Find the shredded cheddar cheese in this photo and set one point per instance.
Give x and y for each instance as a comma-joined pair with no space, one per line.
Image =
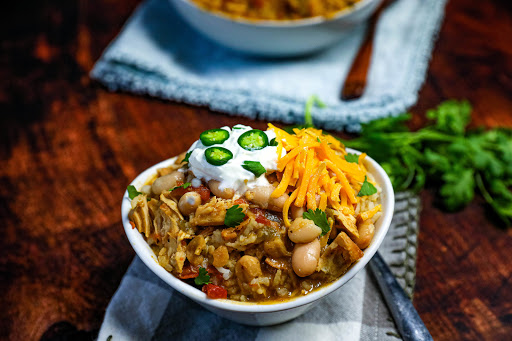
315,172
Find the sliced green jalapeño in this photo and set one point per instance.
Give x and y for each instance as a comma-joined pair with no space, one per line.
214,136
253,140
217,156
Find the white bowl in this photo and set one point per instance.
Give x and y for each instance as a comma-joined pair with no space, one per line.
283,38
253,313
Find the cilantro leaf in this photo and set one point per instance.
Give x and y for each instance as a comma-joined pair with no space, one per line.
234,216
273,142
132,192
187,156
185,185
312,101
458,189
319,218
354,158
451,116
367,188
202,278
254,167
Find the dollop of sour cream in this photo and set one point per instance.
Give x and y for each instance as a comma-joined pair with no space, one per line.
232,174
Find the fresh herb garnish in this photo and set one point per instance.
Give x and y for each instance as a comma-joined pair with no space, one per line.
185,185
202,278
234,216
308,116
459,161
354,158
132,192
367,188
185,159
254,167
319,218
273,142
109,338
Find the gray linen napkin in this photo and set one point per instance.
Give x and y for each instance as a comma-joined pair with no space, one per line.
158,54
146,308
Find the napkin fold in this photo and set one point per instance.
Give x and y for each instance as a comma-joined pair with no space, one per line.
146,308
158,54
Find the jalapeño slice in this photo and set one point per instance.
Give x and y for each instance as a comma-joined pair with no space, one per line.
253,140
217,156
214,136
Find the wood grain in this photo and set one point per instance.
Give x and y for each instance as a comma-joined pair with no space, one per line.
68,148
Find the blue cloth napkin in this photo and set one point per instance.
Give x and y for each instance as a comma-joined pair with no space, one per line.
158,54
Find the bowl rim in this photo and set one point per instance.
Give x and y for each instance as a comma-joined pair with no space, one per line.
311,21
148,257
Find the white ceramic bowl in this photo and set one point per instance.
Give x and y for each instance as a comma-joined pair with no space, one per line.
284,38
253,313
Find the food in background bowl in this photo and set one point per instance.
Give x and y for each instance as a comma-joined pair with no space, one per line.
275,38
276,9
259,216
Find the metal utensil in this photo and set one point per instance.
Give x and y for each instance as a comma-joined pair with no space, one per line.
409,323
355,82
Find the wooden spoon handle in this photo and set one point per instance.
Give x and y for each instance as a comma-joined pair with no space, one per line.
355,82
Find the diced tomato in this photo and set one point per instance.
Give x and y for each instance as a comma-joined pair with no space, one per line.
203,191
240,201
215,291
260,216
189,271
215,275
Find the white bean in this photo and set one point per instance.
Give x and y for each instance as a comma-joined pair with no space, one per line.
305,258
366,231
261,196
303,231
189,203
276,204
247,268
297,212
226,193
167,182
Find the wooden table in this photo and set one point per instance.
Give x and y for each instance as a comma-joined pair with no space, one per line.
69,148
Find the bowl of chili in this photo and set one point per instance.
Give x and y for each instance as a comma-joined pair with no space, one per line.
251,313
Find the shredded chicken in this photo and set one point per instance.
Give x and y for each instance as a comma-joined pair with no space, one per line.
213,212
339,255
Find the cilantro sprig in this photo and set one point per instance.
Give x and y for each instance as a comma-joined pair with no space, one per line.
234,216
187,156
185,185
254,167
319,218
132,192
354,158
460,162
367,188
312,101
203,277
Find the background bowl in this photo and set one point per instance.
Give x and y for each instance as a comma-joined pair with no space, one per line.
253,313
284,38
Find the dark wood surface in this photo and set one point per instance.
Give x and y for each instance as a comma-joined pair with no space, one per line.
69,148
